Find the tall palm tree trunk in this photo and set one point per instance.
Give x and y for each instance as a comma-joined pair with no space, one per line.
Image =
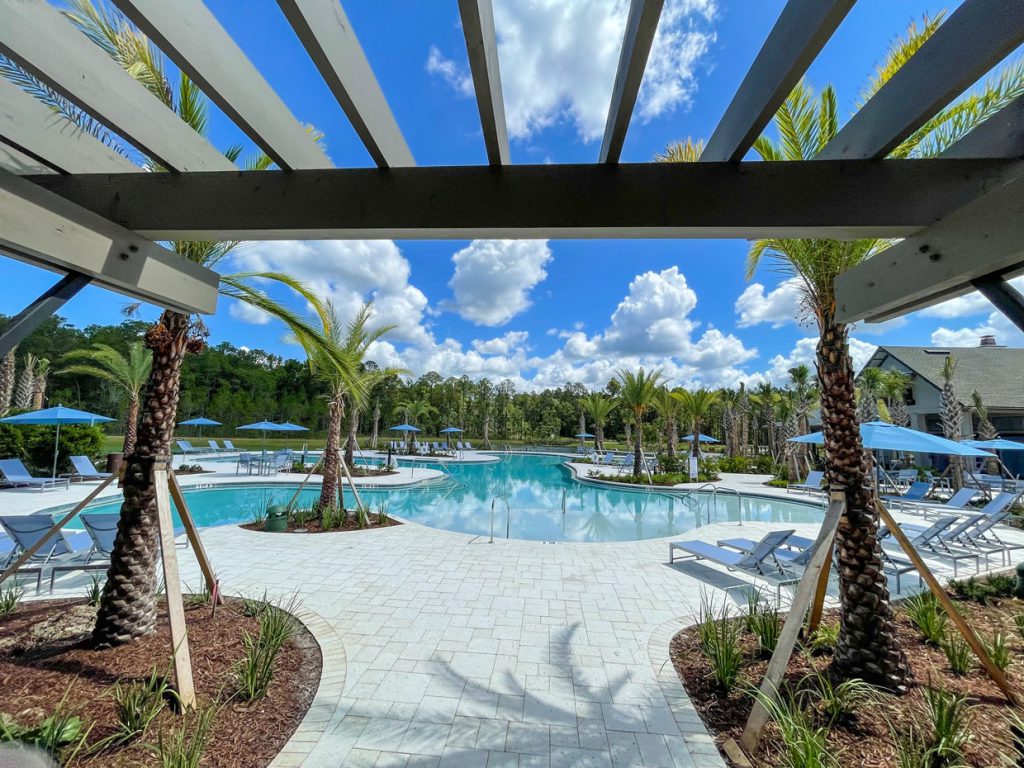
131,426
599,437
353,431
329,489
672,437
7,380
867,647
376,425
638,451
128,605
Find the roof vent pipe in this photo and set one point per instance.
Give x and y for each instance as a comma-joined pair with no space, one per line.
987,340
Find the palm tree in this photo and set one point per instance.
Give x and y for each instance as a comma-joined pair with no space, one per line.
128,605
764,396
7,380
805,395
367,376
599,407
23,390
986,429
128,374
416,409
868,647
695,407
743,419
40,378
951,413
786,413
376,424
872,385
894,390
669,407
637,394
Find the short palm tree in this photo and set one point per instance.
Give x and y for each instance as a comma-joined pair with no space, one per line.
986,429
414,411
669,407
894,390
598,407
7,380
868,647
637,394
127,607
871,385
40,378
951,413
127,373
25,386
695,407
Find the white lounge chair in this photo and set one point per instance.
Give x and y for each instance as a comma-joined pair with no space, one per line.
811,484
213,446
186,446
229,446
27,530
17,474
86,470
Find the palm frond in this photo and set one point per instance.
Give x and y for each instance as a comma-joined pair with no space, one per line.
688,150
899,53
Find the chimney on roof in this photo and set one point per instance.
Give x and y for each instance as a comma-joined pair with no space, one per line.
988,340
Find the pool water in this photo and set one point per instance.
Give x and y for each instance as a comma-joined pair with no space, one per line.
534,488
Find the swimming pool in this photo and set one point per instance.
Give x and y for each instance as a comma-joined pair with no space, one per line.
535,488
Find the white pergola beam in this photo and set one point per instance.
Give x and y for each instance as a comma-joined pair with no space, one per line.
29,125
799,34
44,229
641,26
14,160
1002,135
190,34
35,35
325,31
981,238
482,47
849,199
975,38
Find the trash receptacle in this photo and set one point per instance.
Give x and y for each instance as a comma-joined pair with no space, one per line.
114,461
277,518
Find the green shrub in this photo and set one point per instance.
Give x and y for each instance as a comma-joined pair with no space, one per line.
839,701
362,517
184,746
924,610
61,734
1018,621
804,744
958,653
998,649
94,592
983,591
383,518
253,672
766,625
739,464
825,638
950,716
1002,585
332,517
34,444
719,639
10,599
137,705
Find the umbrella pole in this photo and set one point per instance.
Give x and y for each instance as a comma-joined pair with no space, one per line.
56,449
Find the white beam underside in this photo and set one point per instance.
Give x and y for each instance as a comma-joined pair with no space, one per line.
190,34
325,31
976,37
44,229
17,162
802,29
482,48
641,26
34,34
847,199
981,238
27,123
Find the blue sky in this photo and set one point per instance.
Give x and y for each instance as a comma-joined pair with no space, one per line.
538,312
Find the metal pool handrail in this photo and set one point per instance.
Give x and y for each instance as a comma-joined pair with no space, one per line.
508,516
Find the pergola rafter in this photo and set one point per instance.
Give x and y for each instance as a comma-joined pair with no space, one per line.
482,48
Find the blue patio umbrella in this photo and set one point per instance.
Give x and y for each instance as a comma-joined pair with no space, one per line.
56,416
998,444
287,426
703,438
407,428
263,427
583,435
199,421
880,436
449,431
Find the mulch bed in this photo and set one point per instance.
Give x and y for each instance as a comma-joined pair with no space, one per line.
313,526
867,740
45,655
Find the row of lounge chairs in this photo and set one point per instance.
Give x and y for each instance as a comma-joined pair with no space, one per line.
186,447
426,449
263,463
623,462
58,555
16,474
780,556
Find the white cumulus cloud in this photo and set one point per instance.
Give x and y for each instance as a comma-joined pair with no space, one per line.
779,306
964,306
996,324
248,313
493,278
558,61
501,345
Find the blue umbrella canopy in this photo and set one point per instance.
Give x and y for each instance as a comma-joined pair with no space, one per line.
264,426
703,438
583,435
289,427
56,416
199,421
880,436
999,444
404,428
446,430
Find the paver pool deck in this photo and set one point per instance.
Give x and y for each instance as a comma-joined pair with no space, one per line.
441,649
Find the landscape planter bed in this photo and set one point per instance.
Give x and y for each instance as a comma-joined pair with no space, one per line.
46,657
866,738
313,526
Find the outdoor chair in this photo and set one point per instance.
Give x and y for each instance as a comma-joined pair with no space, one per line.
86,470
609,457
248,462
812,482
26,530
957,501
906,477
16,474
760,562
213,446
469,446
930,540
102,530
186,446
916,492
229,446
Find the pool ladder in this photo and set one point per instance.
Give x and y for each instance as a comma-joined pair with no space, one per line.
715,490
508,516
